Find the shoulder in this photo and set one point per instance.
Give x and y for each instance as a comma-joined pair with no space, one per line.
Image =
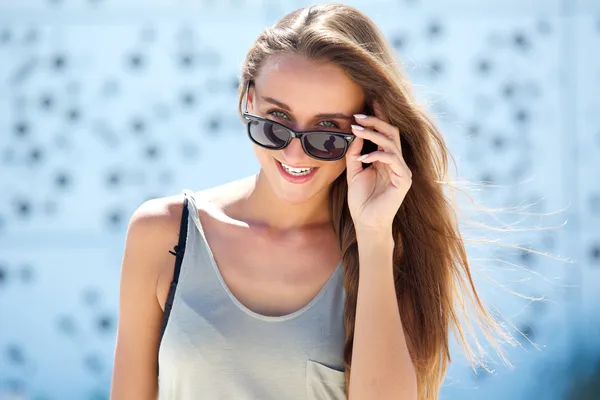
158,216
153,231
157,221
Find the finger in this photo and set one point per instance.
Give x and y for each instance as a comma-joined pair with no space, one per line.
379,125
353,166
395,163
397,181
394,131
376,137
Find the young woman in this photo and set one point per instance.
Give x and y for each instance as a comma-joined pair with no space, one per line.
337,271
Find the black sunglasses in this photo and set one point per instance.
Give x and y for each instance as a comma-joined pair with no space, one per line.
321,145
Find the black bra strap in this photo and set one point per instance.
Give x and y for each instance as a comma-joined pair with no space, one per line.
179,251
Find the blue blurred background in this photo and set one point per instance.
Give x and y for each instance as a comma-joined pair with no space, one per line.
105,104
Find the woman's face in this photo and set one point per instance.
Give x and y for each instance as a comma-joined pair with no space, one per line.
299,93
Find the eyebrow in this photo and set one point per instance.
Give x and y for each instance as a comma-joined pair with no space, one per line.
288,108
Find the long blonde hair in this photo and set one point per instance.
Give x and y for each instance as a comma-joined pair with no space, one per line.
433,280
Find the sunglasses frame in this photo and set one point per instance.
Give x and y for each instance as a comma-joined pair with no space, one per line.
347,137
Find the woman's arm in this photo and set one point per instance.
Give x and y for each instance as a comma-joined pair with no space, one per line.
151,231
381,364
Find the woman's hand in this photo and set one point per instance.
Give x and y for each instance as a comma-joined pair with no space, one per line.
376,193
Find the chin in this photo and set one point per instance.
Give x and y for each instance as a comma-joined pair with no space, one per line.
295,194
298,193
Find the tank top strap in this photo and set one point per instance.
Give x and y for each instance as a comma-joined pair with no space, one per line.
193,208
198,273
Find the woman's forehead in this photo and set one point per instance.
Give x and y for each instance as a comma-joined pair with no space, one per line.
297,80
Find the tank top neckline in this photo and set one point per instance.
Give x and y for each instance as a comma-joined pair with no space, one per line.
279,318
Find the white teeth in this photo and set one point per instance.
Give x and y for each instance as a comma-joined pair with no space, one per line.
296,171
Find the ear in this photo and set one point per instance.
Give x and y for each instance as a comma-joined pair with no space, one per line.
251,99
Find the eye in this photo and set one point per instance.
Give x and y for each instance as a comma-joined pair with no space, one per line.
331,123
278,114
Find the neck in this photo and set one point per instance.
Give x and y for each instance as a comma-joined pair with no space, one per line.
264,207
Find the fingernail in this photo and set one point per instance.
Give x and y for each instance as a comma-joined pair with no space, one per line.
362,158
357,127
360,116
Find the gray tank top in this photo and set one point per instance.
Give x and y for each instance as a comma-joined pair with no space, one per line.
214,347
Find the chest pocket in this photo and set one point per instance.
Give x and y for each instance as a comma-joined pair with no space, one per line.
323,382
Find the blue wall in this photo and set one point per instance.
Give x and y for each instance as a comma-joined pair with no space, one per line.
106,103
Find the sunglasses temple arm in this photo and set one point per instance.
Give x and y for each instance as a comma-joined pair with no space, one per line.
245,105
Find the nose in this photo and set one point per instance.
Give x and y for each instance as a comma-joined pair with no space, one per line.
294,154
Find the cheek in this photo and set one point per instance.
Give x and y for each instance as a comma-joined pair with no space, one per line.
333,169
262,154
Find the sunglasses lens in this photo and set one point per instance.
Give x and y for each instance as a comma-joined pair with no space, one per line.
325,146
268,135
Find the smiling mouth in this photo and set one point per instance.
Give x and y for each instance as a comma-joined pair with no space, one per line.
297,171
